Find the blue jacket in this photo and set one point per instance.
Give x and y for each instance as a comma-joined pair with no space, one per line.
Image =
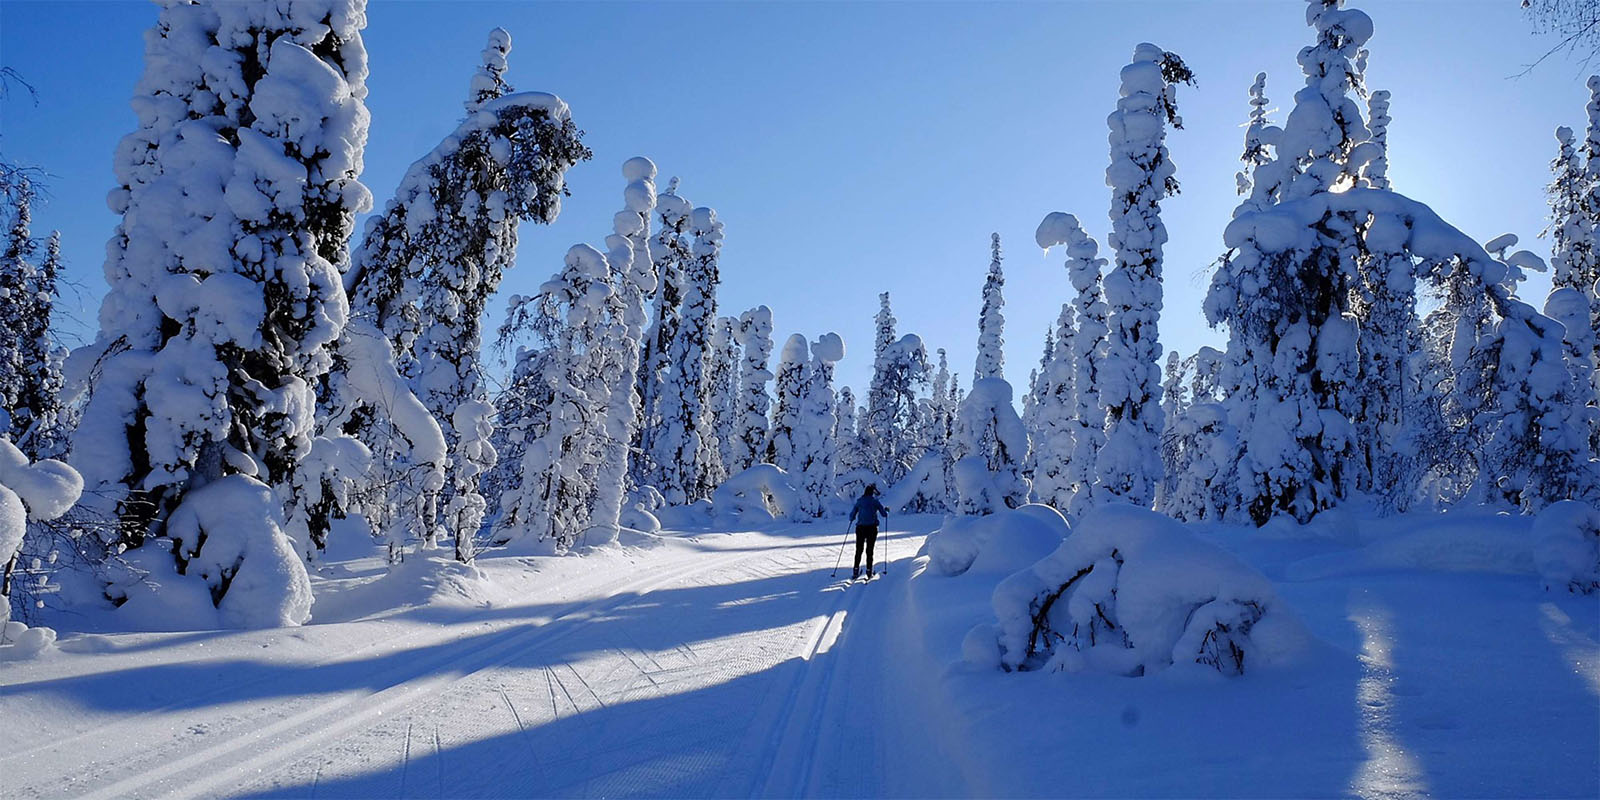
869,510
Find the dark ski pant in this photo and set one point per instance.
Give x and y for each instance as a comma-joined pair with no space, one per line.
866,536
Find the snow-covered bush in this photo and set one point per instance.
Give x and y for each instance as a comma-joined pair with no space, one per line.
245,558
997,544
1566,547
1131,592
763,492
36,492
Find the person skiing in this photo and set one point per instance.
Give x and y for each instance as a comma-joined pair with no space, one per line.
866,514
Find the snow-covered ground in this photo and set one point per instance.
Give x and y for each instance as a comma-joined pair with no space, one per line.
731,664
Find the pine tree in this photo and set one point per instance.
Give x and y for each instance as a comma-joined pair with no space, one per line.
202,395
428,265
681,406
846,434
1087,350
18,279
670,253
899,371
816,448
991,323
1140,175
755,341
1052,434
633,276
1293,350
40,405
783,448
721,412
1574,216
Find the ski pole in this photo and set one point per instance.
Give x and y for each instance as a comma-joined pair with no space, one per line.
840,559
885,561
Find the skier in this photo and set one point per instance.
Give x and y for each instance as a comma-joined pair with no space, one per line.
866,514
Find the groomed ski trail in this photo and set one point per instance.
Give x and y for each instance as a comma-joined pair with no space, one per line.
738,668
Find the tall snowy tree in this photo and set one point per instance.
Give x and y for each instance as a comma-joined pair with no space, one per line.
816,448
899,370
237,193
1086,350
846,435
755,341
429,263
671,251
991,322
989,476
783,448
1574,218
1052,434
681,404
17,277
634,277
1286,301
721,417
1140,175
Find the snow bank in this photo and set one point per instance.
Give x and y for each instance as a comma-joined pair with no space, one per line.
998,544
1566,547
1462,542
762,491
1131,592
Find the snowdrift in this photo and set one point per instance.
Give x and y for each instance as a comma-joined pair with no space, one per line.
1000,543
763,492
1566,547
1131,592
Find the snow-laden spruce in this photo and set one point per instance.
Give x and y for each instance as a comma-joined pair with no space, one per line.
634,277
816,449
787,414
31,382
670,253
680,414
899,371
237,195
1133,593
988,477
1128,466
1087,349
430,261
721,416
755,341
1053,432
991,322
1285,295
1573,258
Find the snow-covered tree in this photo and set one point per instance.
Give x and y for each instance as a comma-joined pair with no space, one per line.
988,476
1054,426
991,322
1286,299
680,411
552,504
755,341
1087,349
899,370
1377,172
1036,388
1574,216
17,278
721,416
430,261
671,251
816,449
237,193
633,275
1140,175
788,414
846,436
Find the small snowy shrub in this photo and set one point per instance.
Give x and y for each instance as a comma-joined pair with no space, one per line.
1133,593
1566,547
762,491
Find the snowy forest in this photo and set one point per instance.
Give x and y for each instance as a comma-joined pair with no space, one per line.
310,403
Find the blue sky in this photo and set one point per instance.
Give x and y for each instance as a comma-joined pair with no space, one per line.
862,147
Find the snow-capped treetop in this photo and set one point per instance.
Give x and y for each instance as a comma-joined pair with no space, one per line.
829,347
489,82
991,322
1259,135
1326,124
1378,169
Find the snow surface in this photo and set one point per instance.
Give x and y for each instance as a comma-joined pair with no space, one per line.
730,664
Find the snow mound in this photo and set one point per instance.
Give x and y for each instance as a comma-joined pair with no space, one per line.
423,579
1131,592
763,492
18,642
1470,543
1566,547
231,534
996,544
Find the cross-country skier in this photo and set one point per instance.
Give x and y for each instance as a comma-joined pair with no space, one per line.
866,514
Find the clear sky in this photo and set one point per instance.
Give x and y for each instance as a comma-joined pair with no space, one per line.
857,148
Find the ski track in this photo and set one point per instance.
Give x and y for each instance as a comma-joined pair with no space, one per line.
715,673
